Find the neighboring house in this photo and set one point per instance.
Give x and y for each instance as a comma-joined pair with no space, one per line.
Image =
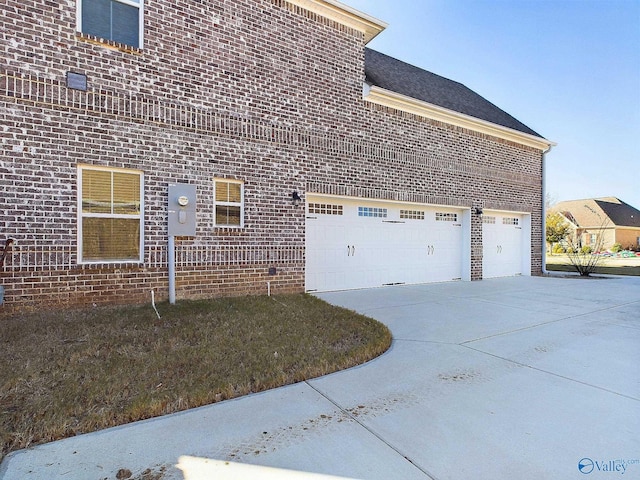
602,222
302,181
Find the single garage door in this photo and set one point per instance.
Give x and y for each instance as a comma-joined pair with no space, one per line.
506,244
352,243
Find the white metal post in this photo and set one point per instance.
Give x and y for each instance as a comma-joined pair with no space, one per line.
171,260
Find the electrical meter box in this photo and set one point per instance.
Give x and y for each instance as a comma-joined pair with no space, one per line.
182,210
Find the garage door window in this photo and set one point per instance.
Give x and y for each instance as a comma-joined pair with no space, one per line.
372,212
510,221
486,219
412,214
325,209
446,217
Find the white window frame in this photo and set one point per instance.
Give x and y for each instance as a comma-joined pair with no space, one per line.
228,204
139,4
81,215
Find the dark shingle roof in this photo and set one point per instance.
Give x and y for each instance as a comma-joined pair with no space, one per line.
399,77
620,213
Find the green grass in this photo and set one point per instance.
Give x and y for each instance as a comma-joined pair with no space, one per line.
71,372
605,266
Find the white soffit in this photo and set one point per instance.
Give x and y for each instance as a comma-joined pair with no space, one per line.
344,15
403,103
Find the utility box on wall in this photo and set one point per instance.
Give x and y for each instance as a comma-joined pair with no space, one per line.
182,210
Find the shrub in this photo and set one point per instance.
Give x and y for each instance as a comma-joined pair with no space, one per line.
617,247
558,248
586,250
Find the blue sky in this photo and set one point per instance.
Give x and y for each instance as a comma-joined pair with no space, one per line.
568,69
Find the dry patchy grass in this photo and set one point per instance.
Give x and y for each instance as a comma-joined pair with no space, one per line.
72,372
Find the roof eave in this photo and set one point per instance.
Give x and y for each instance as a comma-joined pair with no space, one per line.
345,15
381,96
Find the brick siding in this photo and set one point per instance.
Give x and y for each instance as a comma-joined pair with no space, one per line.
255,90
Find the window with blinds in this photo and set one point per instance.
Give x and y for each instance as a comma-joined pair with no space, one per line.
110,220
229,203
116,20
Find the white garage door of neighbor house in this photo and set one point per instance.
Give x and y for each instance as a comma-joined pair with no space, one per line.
353,243
506,239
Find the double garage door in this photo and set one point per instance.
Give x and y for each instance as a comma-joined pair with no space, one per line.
353,243
356,243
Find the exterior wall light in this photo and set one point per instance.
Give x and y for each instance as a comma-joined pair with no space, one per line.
295,198
477,211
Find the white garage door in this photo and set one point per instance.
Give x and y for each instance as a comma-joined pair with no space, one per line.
505,239
353,243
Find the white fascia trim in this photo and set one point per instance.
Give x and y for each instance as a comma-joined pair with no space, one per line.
401,102
344,15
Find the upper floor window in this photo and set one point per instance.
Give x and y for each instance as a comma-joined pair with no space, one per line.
116,20
229,203
110,215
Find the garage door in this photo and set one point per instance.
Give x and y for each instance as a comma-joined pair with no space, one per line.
353,243
505,240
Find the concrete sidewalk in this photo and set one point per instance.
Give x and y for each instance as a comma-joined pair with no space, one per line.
514,378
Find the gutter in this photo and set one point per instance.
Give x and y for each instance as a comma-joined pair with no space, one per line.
544,210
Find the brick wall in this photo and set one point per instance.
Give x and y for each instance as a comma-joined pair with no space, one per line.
255,90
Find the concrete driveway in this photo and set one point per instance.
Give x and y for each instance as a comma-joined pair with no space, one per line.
514,378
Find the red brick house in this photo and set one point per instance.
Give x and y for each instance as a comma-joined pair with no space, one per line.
317,163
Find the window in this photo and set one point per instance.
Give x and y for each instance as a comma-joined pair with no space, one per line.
116,20
486,219
446,217
510,221
325,209
110,218
412,214
372,212
229,203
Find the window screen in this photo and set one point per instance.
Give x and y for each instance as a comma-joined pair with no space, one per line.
110,220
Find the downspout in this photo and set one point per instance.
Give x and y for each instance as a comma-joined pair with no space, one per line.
544,211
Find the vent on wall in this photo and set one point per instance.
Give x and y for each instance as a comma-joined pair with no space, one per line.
77,81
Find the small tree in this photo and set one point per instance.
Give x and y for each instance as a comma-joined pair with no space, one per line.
581,257
557,229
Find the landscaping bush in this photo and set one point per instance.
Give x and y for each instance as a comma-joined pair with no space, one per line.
586,250
558,248
617,247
